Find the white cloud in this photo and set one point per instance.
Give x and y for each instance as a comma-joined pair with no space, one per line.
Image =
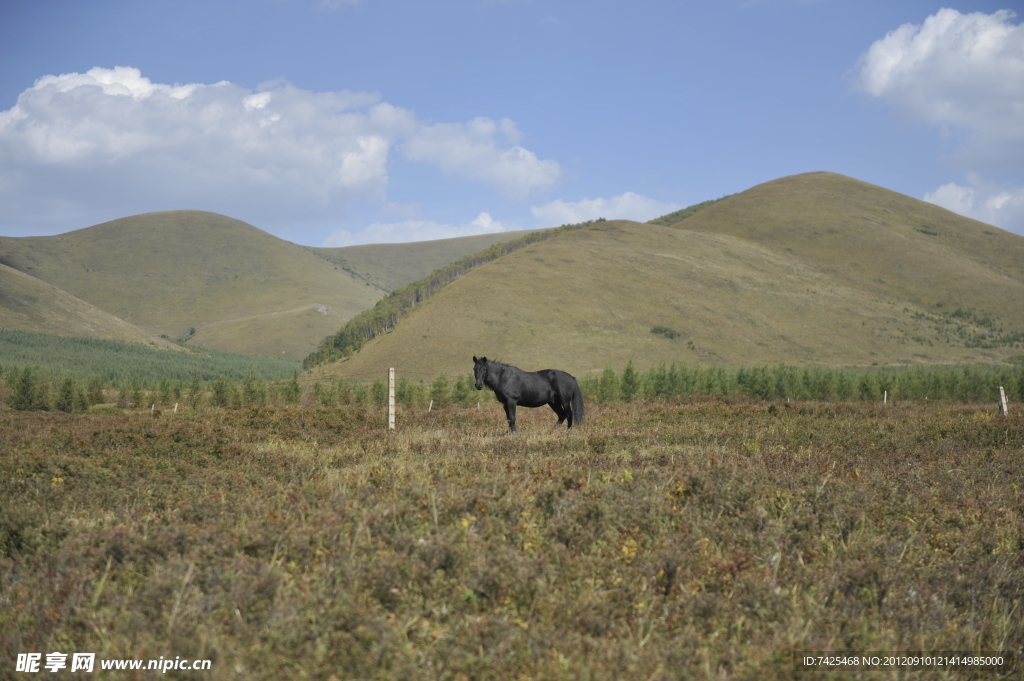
985,201
628,206
415,230
475,150
78,144
964,72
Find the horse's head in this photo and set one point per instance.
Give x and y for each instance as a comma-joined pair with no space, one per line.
480,371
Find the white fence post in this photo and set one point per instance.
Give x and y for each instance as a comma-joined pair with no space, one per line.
1002,402
391,398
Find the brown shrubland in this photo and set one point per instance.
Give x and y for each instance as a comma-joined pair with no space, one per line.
663,540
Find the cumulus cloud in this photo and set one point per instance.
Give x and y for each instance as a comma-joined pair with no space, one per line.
628,206
964,72
483,148
414,230
985,201
75,144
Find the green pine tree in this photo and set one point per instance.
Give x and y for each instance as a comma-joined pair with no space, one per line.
95,392
23,396
292,393
439,392
66,396
629,386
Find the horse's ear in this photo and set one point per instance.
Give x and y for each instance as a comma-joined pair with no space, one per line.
475,360
483,360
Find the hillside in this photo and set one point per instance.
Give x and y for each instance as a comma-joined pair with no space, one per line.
240,288
392,266
28,304
815,269
880,241
216,281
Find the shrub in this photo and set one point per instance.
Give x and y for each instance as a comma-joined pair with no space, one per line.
439,392
379,394
665,331
292,392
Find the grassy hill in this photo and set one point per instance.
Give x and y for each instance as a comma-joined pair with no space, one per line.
216,281
880,241
172,272
392,266
815,269
31,305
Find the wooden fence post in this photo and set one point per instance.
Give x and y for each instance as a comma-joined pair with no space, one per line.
391,398
1003,410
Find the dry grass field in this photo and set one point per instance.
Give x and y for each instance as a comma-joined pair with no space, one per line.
680,539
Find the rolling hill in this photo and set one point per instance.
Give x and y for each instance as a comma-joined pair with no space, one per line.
215,281
29,304
175,271
815,269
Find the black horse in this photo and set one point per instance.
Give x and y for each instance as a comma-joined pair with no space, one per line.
513,386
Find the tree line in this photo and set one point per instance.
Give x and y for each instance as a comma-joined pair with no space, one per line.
29,388
974,383
118,362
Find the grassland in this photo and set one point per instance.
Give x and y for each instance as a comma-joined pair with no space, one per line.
674,539
814,270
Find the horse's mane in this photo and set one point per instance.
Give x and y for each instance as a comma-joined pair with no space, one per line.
498,365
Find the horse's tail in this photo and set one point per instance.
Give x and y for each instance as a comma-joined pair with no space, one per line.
577,402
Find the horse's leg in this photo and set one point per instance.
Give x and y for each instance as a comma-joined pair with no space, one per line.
510,414
558,409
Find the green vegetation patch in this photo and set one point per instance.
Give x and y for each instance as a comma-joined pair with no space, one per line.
117,362
682,214
967,384
665,331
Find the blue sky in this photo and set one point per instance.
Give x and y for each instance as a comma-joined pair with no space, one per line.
335,122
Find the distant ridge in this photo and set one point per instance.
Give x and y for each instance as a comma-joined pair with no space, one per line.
392,266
